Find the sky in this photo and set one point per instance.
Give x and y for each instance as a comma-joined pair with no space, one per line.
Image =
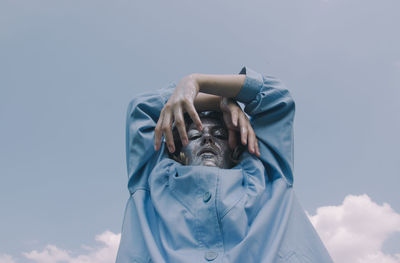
68,70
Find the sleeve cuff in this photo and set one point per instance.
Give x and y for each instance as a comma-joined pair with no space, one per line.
251,87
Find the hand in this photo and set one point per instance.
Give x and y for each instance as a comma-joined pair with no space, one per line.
236,120
181,101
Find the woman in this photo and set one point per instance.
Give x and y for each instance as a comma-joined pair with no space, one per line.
196,207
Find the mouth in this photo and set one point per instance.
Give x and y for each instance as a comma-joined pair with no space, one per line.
207,152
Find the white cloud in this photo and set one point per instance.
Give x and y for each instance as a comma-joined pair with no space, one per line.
4,258
105,253
354,231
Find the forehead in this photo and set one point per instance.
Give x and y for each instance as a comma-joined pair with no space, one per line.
208,122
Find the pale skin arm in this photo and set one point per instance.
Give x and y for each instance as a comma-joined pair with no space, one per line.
227,86
205,92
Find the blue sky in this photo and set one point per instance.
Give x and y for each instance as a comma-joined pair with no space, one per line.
68,70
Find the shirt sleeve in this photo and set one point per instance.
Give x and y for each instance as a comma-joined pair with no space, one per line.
271,108
142,116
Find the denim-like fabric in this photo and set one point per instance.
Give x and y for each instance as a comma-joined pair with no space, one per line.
206,214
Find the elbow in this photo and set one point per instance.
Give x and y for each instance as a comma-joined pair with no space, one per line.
275,90
288,100
284,102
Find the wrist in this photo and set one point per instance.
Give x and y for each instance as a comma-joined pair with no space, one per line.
223,103
197,80
220,102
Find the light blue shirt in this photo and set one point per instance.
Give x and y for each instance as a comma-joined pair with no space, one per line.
191,214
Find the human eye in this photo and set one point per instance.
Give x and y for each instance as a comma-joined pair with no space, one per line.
194,135
221,134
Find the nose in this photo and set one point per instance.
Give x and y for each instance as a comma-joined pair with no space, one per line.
207,138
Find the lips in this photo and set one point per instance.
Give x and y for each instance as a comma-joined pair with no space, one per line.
207,150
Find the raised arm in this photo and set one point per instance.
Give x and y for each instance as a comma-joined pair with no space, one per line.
142,116
267,101
195,89
272,110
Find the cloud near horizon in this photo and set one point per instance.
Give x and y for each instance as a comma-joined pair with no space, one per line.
353,232
105,252
5,258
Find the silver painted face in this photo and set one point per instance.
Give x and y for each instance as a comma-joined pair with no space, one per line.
210,146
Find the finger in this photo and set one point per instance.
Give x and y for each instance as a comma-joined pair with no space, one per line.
257,148
251,140
180,125
191,110
158,132
243,128
166,129
226,119
232,139
234,114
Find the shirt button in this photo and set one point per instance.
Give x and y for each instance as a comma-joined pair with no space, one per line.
206,197
210,255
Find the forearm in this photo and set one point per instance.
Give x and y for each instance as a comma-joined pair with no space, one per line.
222,85
207,102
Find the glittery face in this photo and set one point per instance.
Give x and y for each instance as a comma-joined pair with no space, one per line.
210,146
